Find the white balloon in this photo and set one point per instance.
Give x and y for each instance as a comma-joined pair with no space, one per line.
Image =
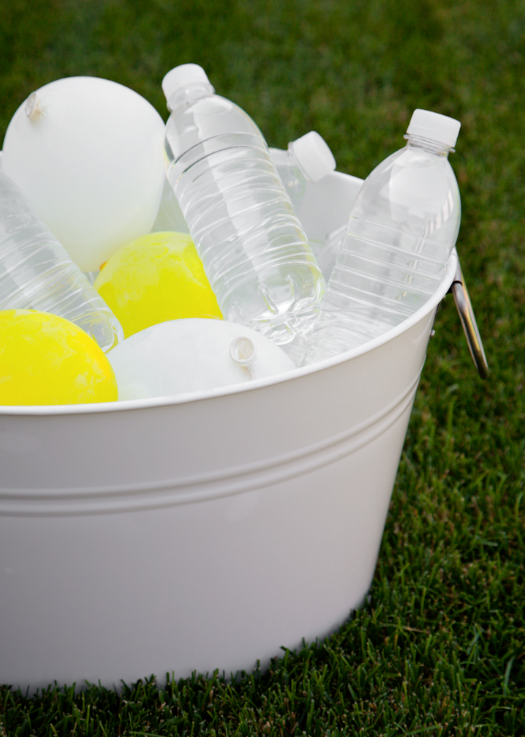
88,155
193,355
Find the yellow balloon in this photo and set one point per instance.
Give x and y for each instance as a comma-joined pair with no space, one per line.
45,359
156,278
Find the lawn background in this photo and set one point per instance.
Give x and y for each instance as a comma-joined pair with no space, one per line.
439,648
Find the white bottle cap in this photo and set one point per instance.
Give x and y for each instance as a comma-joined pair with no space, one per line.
313,155
181,76
434,126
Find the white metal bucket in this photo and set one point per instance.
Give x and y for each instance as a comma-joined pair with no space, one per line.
203,533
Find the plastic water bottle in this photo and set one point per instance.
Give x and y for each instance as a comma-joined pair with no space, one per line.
308,159
402,228
253,247
37,273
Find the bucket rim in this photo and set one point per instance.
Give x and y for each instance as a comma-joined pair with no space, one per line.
169,400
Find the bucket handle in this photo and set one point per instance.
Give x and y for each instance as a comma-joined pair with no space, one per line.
468,320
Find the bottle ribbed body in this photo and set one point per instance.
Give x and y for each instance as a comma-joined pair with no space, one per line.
170,217
393,256
253,247
36,272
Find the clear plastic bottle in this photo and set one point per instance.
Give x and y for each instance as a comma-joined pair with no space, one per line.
401,231
37,273
253,247
307,159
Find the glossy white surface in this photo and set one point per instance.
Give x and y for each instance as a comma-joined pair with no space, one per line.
155,536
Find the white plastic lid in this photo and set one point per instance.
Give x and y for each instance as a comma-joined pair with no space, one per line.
434,126
181,76
313,155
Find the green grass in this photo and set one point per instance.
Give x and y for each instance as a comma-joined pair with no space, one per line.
439,647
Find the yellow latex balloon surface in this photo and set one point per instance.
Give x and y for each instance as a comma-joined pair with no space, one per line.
156,278
45,359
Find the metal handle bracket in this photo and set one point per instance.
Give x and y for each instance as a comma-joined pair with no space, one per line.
468,320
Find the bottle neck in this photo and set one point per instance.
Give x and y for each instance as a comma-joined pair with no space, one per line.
190,93
433,147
